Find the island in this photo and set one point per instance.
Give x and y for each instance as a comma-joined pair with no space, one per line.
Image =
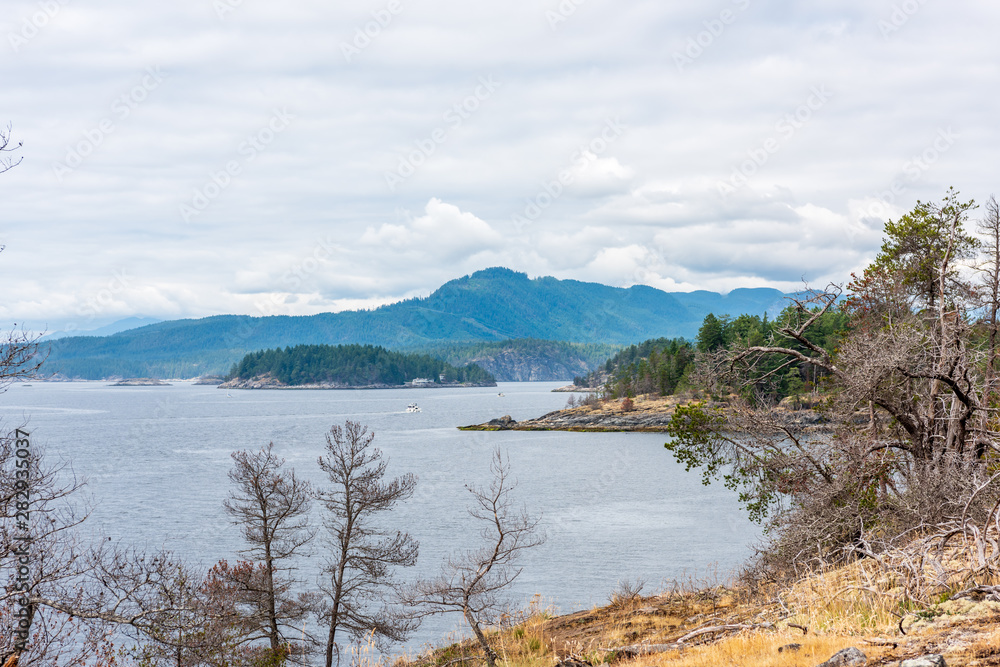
349,367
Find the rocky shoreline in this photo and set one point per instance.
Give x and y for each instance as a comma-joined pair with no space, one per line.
648,415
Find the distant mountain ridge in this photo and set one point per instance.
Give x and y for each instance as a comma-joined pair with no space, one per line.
107,330
490,305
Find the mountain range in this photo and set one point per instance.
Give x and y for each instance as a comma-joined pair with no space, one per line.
489,306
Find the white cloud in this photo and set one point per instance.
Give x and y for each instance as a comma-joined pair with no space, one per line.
647,207
443,233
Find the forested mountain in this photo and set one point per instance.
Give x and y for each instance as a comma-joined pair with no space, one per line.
352,366
491,305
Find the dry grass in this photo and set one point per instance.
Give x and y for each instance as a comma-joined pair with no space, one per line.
858,605
757,649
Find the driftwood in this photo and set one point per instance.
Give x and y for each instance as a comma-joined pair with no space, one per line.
643,649
988,592
803,628
713,629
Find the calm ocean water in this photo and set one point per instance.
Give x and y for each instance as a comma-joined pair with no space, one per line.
614,505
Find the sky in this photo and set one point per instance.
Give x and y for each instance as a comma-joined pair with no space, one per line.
200,157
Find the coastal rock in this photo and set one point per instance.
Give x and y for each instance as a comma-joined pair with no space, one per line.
790,648
573,661
261,382
932,660
849,657
536,365
504,423
141,382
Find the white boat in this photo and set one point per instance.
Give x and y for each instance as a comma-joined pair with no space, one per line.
413,407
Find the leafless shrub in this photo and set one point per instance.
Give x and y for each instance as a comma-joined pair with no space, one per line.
625,593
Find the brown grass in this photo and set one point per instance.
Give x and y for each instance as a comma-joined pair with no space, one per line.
858,605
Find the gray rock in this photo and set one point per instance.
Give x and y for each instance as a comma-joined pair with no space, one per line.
849,657
932,660
573,662
789,647
502,423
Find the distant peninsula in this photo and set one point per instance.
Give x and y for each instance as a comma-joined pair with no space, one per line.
349,367
649,414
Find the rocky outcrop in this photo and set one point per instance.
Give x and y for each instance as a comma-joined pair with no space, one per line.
515,366
849,657
646,416
141,382
933,660
210,380
261,382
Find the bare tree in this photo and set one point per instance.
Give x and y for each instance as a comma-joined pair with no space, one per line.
989,227
271,506
474,582
359,570
8,163
907,420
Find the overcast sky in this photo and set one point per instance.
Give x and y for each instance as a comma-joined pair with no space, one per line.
198,157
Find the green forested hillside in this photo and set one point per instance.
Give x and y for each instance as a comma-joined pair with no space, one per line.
490,305
352,365
661,366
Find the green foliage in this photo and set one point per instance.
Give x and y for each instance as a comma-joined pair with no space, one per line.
352,365
918,243
656,367
661,366
698,442
694,431
711,336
